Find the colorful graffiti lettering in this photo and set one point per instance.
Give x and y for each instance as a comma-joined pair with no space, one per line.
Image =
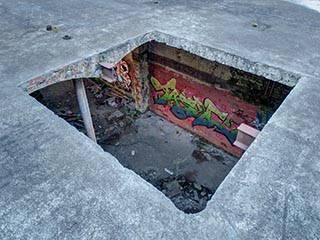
205,112
122,73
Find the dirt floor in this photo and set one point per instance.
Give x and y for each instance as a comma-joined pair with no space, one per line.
184,167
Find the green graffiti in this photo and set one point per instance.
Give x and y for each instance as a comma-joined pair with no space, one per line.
184,107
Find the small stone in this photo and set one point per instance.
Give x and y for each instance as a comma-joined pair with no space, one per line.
133,152
203,193
254,24
197,186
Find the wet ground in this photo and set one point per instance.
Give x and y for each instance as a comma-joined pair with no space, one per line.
184,167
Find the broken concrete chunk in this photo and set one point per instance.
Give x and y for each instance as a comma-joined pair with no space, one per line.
195,195
197,186
172,185
203,193
174,192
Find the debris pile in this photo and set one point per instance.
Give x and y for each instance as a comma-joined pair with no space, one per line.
189,197
120,108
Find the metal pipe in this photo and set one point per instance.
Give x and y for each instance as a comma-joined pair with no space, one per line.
84,107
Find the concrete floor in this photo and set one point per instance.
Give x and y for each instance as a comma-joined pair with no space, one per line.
157,145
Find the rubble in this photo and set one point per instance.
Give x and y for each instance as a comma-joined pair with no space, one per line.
189,197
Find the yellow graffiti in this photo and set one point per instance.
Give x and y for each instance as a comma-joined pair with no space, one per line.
171,85
171,93
209,105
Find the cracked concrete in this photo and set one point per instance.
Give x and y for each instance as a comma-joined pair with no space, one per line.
56,183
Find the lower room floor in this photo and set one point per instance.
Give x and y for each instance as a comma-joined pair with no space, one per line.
180,164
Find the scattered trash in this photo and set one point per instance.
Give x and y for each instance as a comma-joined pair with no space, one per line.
133,152
50,28
55,30
168,171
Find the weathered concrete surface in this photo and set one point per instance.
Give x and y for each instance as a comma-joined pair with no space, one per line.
57,184
312,4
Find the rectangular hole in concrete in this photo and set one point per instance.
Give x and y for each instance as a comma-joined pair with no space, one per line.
172,117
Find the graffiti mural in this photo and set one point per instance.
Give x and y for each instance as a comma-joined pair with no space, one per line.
204,113
211,112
